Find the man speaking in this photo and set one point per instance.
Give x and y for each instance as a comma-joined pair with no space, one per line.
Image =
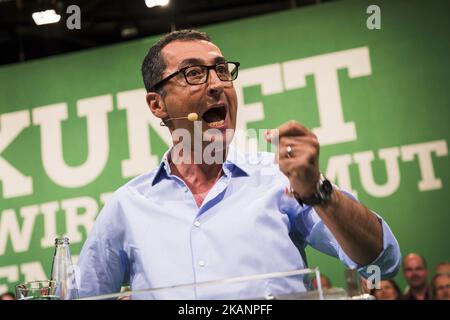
210,212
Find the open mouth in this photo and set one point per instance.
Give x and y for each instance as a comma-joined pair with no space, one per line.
215,117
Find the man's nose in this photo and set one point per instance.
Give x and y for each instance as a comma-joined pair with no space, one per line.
215,85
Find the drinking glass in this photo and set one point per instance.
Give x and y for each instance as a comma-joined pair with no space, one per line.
37,290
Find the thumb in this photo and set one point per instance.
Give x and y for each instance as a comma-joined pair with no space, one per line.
272,136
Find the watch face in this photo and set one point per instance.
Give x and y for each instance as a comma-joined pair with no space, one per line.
327,187
322,195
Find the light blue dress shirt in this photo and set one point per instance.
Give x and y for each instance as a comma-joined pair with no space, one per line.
152,234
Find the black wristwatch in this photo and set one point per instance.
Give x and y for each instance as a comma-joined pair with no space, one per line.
324,188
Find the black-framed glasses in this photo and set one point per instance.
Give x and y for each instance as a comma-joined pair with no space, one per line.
199,74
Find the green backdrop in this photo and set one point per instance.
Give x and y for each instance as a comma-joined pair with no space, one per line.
75,127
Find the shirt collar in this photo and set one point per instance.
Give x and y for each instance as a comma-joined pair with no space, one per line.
236,164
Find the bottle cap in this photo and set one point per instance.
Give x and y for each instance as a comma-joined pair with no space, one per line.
62,240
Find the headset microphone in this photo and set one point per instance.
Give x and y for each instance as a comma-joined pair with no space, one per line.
191,117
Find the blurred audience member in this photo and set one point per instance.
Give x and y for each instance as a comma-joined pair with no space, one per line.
443,268
125,289
440,287
365,285
389,290
415,272
324,281
7,296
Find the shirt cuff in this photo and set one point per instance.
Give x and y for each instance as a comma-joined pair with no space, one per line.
388,260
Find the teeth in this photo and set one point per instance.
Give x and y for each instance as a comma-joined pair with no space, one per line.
216,123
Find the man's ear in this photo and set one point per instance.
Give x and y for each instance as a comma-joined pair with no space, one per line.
156,105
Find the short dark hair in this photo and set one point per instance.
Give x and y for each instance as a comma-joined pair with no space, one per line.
153,65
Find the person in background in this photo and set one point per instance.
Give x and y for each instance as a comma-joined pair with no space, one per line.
415,272
389,290
440,287
125,297
324,281
443,268
7,296
365,285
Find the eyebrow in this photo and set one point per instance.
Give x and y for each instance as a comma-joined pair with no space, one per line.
196,61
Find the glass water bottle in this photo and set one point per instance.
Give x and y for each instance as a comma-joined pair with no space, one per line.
63,272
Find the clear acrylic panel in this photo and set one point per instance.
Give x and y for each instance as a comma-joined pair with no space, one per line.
289,285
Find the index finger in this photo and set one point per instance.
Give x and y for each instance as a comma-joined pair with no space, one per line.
289,129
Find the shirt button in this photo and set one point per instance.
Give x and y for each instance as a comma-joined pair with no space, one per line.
197,223
201,263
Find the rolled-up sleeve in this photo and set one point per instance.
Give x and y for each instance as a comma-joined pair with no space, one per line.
318,236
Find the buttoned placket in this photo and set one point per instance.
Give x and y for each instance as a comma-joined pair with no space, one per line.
199,243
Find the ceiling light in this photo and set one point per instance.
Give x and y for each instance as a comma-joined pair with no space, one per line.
45,17
155,3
